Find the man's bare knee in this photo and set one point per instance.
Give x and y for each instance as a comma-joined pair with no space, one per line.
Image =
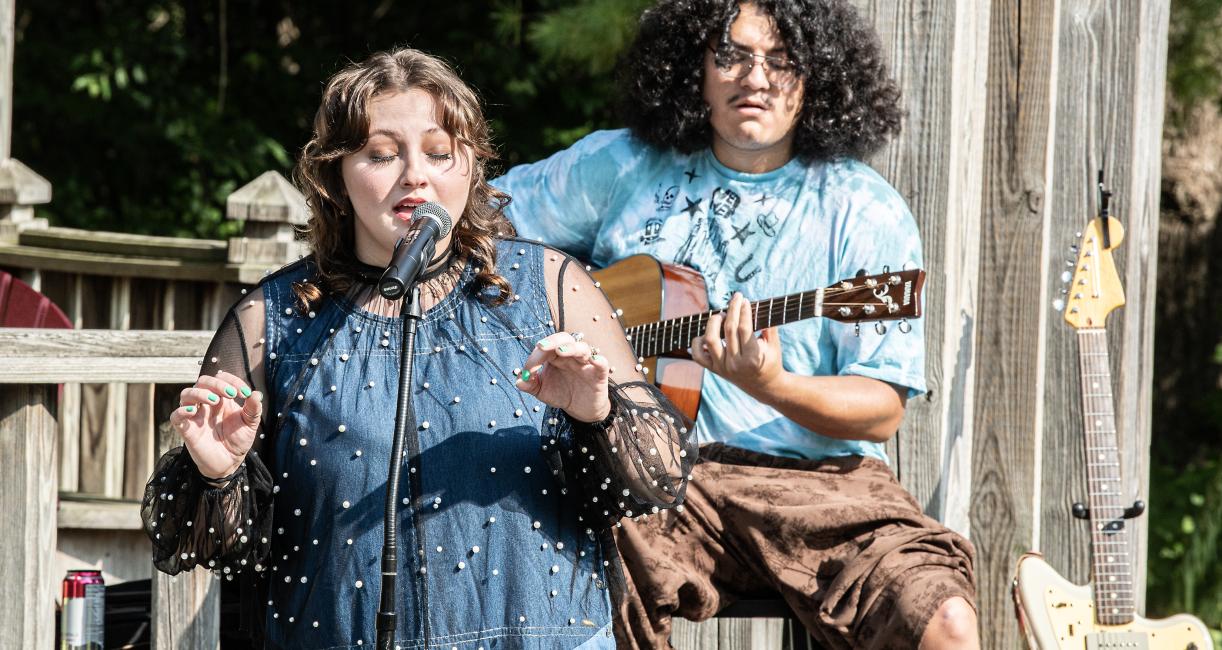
952,626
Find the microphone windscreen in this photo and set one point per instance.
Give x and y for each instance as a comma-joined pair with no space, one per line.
433,210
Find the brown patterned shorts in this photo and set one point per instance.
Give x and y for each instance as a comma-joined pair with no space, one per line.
839,539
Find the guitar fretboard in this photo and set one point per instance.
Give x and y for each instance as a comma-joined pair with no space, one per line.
653,339
1110,538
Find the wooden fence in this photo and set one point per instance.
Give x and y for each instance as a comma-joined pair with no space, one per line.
1012,107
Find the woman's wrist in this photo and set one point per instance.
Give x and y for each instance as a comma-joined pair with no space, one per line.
597,421
223,477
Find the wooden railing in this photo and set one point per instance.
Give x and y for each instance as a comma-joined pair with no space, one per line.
186,607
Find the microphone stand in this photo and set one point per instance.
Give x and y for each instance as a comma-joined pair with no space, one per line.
404,413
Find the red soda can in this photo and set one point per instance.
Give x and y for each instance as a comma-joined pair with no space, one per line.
84,604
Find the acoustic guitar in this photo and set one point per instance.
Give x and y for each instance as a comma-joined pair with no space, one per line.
664,306
1053,612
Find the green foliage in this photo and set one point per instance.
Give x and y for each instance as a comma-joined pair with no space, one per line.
1185,536
146,114
589,34
1194,62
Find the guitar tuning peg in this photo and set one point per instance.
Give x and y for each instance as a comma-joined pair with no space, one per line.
879,328
1077,235
1066,276
1068,262
1074,249
1064,291
1058,304
905,326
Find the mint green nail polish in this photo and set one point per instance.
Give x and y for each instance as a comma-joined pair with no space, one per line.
564,348
213,398
230,391
525,376
245,392
189,409
544,344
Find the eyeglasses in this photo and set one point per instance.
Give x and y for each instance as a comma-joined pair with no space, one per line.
735,63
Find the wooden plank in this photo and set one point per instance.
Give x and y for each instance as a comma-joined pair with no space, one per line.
750,633
121,555
28,432
76,512
127,244
1109,107
8,40
935,164
95,313
1011,304
73,346
32,277
141,431
115,429
34,370
65,291
186,607
138,450
53,356
1142,197
687,635
49,259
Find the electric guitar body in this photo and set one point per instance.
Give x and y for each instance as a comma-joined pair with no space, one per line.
1055,613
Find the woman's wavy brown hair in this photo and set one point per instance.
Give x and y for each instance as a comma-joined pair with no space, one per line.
341,127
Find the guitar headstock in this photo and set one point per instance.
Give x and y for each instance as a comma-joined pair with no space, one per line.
1095,289
894,295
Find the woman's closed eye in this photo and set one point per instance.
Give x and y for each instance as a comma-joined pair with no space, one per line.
382,159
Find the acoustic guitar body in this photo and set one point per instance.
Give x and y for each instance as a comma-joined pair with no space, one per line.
648,291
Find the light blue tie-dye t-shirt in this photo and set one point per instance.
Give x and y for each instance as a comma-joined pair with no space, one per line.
797,228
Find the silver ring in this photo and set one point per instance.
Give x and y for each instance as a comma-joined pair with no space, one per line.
577,336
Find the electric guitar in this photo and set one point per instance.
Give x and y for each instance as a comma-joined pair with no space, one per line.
1053,612
663,307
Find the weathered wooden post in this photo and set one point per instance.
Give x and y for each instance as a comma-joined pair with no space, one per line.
186,607
273,210
1074,87
27,429
20,187
28,483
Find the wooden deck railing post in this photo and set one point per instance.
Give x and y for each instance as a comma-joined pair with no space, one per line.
272,210
28,483
186,607
20,187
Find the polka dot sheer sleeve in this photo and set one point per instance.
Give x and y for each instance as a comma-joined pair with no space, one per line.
637,461
223,525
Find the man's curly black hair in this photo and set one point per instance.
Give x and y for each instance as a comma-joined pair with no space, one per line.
850,105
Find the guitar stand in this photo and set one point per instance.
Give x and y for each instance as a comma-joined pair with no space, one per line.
1080,511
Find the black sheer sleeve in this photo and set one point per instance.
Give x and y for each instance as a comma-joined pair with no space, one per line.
224,524
637,461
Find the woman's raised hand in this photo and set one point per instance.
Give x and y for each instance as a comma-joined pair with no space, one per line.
567,373
216,427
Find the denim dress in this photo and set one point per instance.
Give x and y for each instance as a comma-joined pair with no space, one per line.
505,504
490,554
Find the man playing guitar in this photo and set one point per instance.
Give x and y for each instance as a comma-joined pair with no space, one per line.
747,123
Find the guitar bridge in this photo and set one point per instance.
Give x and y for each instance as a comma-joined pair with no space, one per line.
1117,641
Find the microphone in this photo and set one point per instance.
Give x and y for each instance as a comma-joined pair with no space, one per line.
430,222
